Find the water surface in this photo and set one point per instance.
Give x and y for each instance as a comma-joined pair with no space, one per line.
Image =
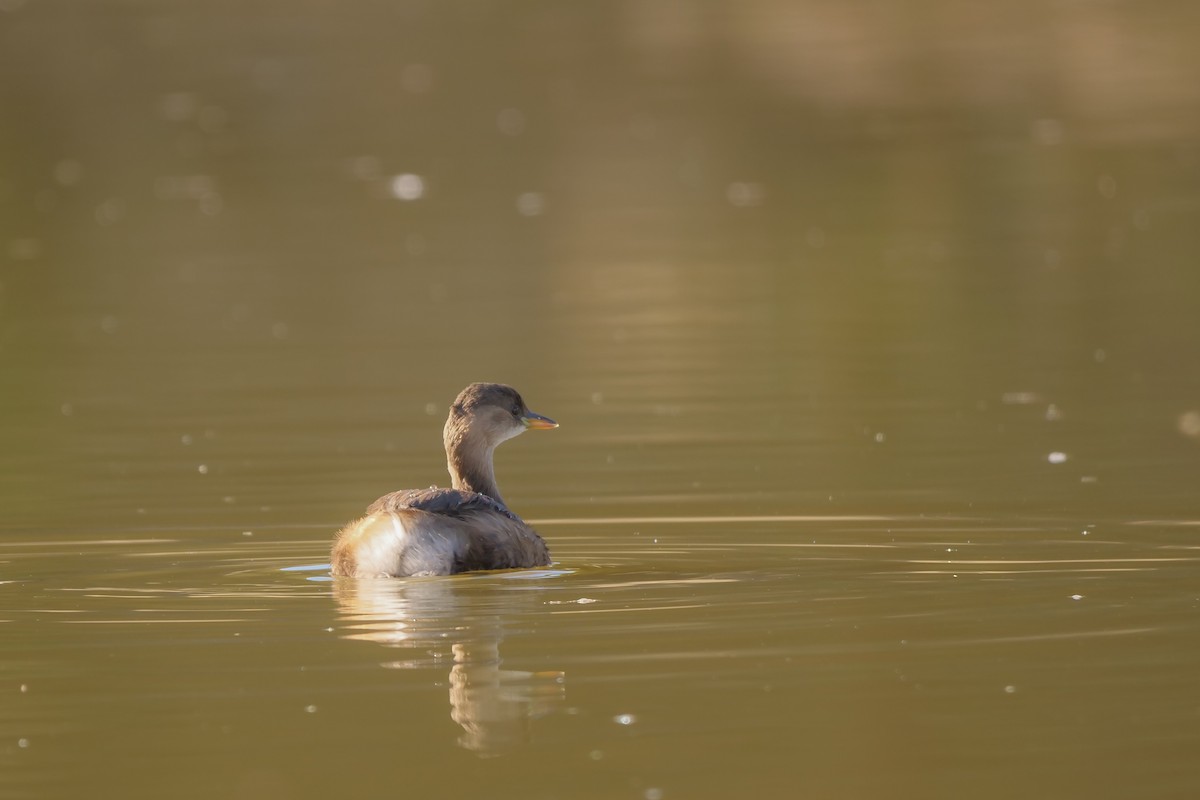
871,332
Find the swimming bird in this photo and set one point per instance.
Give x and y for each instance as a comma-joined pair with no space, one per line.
444,531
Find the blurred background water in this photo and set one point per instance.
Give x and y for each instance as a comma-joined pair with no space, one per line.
872,330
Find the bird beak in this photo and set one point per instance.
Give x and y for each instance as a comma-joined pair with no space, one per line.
537,421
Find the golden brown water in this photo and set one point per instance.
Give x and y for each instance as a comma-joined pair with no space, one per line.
871,328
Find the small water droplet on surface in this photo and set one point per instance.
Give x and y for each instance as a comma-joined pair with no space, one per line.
1057,457
624,719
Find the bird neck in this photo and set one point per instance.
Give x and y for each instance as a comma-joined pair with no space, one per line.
470,465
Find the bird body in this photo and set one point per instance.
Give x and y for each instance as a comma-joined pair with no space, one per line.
433,531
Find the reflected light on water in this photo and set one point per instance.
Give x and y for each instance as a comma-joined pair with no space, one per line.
494,706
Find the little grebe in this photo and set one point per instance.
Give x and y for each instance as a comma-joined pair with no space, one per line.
443,531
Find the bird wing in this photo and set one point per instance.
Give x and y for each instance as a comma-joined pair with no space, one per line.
449,502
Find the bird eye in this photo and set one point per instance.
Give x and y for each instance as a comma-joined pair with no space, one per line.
516,411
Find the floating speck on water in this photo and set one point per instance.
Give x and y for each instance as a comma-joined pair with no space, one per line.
364,168
1047,131
1189,424
596,755
407,187
653,793
110,211
881,437
743,194
228,499
186,439
178,106
430,409
1053,414
211,204
1076,597
417,78
1019,398
22,743
1088,479
202,469
531,204
67,172
24,688
310,709
511,122
1057,457
624,719
1010,689
24,249
247,533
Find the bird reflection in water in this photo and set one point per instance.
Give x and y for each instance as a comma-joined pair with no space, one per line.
496,707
